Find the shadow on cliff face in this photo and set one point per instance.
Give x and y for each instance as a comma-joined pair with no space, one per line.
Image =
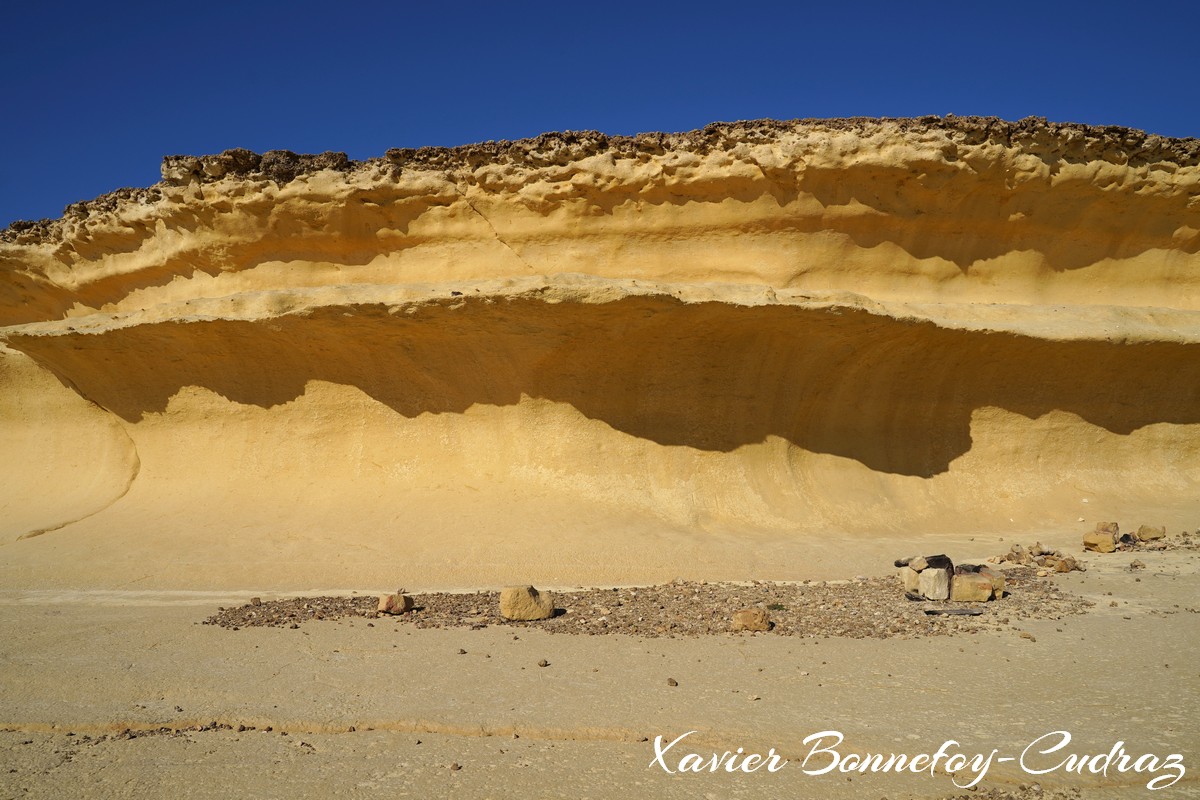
896,396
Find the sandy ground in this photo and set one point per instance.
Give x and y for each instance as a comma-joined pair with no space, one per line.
585,725
770,351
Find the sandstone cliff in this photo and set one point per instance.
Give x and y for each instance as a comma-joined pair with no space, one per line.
602,356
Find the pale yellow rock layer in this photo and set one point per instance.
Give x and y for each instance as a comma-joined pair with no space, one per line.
587,357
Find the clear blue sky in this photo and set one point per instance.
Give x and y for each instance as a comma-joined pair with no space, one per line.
94,94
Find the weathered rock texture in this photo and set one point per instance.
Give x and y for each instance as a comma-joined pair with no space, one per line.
525,603
578,350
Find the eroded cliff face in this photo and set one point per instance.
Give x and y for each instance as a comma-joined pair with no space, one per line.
600,358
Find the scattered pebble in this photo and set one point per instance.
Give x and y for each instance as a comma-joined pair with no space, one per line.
867,609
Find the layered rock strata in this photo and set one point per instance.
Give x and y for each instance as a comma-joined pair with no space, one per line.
578,345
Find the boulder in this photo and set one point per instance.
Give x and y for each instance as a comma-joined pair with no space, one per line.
940,561
395,604
1100,541
910,578
1109,527
1149,533
996,577
525,603
750,619
919,563
934,584
971,587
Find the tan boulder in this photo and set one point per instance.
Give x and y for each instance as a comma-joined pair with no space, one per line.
971,587
1100,541
525,603
395,604
910,578
750,619
1149,533
935,584
919,563
1109,527
999,583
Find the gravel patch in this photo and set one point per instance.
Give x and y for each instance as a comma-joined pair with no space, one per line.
873,608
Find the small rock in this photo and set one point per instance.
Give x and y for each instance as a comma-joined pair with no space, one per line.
941,561
256,601
1137,564
935,584
1100,541
910,578
672,682
543,663
1028,635
395,604
751,619
999,582
971,587
455,767
919,563
1148,533
525,603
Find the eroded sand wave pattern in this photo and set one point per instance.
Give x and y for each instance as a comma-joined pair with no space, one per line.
602,359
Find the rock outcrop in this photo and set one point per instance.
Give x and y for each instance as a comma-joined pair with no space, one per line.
580,348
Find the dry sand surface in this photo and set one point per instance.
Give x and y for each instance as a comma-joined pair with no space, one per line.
762,351
125,696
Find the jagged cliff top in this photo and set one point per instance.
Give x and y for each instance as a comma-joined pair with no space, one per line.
1049,140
